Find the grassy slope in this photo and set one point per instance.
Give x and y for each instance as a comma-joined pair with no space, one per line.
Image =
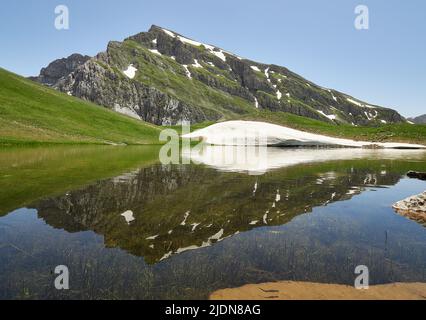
32,113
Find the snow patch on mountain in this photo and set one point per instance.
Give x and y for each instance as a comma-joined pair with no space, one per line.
332,95
196,64
354,102
155,51
368,106
267,74
188,73
359,104
369,115
130,72
329,116
219,54
169,33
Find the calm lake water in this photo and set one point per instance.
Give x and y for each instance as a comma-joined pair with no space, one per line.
128,227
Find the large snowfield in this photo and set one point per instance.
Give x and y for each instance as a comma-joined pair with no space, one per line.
237,133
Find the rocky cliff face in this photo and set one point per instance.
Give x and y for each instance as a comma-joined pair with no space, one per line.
60,68
163,77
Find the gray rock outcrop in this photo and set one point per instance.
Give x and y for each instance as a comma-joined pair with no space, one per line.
60,68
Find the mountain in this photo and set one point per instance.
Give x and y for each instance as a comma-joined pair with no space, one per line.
418,120
32,113
60,68
163,77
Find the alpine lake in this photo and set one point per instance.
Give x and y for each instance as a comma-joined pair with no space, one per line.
128,227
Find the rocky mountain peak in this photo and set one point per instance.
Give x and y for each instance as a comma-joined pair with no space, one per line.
60,68
164,77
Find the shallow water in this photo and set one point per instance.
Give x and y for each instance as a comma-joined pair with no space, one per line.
129,227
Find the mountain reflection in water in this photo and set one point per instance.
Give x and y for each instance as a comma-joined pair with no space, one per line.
162,210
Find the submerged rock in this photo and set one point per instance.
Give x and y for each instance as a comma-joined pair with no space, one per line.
413,208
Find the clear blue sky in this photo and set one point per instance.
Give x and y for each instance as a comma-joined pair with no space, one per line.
384,65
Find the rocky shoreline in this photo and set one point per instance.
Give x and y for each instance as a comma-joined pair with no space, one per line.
413,207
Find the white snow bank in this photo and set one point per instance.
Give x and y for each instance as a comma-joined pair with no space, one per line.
155,51
186,40
256,103
370,116
196,64
188,73
368,106
332,95
255,68
193,42
130,72
262,133
329,116
267,74
217,52
359,104
171,34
